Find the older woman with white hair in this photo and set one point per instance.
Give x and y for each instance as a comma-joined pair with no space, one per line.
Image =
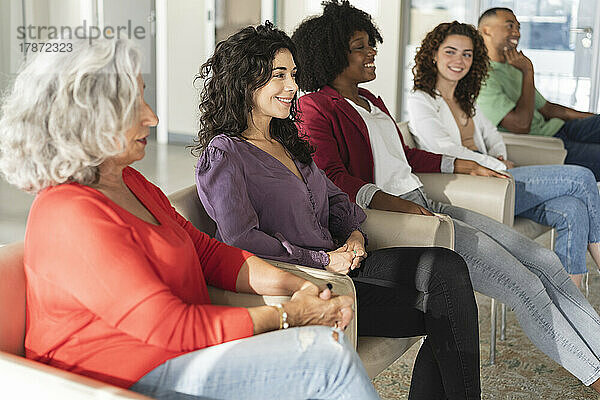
116,279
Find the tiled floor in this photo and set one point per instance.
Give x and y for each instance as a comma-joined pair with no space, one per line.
171,167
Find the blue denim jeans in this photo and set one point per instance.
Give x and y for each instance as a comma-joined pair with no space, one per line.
582,141
295,363
532,281
566,198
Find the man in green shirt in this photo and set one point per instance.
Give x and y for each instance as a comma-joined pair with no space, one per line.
509,99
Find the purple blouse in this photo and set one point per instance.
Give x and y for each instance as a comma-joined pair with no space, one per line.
259,205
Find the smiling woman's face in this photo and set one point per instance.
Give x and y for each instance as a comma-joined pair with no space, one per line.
454,58
361,60
274,99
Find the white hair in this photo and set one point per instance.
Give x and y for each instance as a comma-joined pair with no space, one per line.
68,112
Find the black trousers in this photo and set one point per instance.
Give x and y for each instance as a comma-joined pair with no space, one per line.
406,291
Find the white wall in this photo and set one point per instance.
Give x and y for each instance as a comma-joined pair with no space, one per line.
386,15
6,32
61,12
37,13
54,13
186,51
11,43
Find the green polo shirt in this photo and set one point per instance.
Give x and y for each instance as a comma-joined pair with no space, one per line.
499,95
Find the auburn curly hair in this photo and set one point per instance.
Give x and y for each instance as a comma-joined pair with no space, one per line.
425,71
323,43
240,65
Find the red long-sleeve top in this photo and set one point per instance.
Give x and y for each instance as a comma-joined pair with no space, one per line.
112,296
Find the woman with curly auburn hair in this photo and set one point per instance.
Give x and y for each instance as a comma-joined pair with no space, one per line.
449,68
425,70
266,199
360,148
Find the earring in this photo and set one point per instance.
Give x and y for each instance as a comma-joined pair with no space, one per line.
434,61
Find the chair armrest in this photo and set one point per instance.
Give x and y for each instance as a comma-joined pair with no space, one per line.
342,285
523,155
389,229
532,140
494,197
27,379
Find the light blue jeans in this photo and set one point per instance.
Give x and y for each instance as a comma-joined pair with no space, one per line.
531,280
566,198
295,363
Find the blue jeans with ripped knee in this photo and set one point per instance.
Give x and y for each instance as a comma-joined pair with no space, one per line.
566,198
295,363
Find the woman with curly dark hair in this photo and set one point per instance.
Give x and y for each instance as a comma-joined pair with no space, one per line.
361,150
226,101
258,182
449,68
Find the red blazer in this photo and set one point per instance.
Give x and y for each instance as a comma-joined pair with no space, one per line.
341,139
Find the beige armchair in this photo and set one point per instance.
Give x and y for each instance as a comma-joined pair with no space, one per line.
534,150
27,379
384,229
495,197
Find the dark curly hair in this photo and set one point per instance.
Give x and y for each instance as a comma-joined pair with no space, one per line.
425,71
240,65
323,43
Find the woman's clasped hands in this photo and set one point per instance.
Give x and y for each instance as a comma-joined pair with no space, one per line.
349,256
309,306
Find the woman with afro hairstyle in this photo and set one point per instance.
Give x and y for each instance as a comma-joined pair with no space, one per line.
449,68
360,148
256,179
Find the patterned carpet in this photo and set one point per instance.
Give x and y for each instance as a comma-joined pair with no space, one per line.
521,370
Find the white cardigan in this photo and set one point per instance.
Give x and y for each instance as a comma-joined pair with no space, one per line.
433,126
